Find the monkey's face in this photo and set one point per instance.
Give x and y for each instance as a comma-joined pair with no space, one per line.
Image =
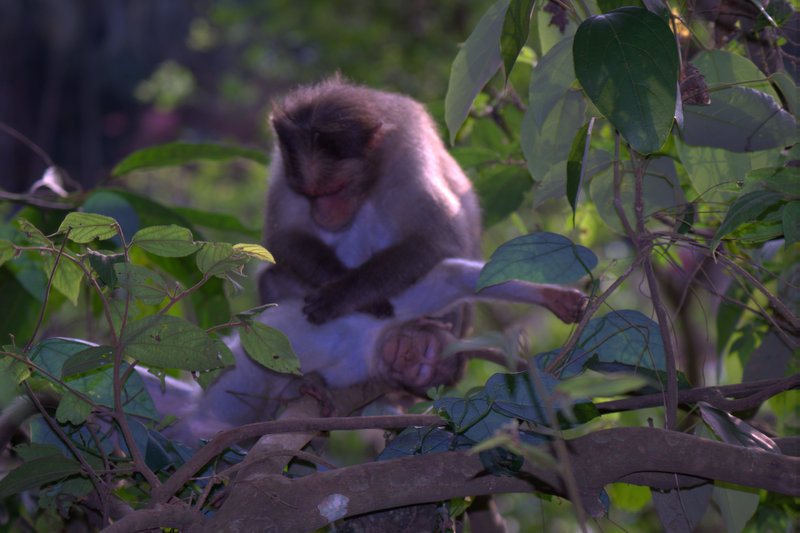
328,162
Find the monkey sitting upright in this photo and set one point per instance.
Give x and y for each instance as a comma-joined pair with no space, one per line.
364,200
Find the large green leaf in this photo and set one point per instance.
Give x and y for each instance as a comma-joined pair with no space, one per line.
86,227
539,258
516,25
170,342
269,347
627,62
181,153
550,80
37,472
166,241
738,119
144,284
476,62
720,67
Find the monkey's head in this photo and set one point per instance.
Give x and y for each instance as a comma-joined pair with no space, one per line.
329,141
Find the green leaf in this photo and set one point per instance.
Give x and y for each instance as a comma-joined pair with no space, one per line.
723,68
166,241
746,208
579,151
738,119
219,258
476,62
33,234
217,221
7,250
539,258
501,189
168,341
550,80
250,314
143,283
791,223
736,505
103,265
172,154
627,62
37,472
472,156
516,26
790,91
67,278
254,250
86,227
734,430
601,384
112,203
72,410
270,348
87,360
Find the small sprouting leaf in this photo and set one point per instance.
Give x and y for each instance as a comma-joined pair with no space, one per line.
167,341
251,314
143,283
476,62
270,348
539,258
627,62
747,207
254,250
218,258
86,227
37,472
7,250
579,151
516,26
166,241
67,277
173,154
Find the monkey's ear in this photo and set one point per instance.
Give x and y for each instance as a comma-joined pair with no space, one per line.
377,134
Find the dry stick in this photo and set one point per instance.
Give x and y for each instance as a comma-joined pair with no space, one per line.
227,438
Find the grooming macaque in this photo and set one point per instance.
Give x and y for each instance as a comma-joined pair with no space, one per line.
364,200
402,351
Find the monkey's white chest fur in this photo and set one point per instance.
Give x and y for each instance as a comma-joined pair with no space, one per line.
354,247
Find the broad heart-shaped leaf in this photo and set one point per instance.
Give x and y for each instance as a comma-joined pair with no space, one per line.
627,62
53,354
516,25
269,347
166,241
660,190
539,258
170,342
173,154
748,207
739,119
476,62
550,80
86,227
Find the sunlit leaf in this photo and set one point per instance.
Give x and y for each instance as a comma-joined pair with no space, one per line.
515,31
143,283
168,341
67,277
86,227
255,250
166,241
746,208
270,348
550,80
218,258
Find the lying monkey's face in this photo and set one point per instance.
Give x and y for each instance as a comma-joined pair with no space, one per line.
327,157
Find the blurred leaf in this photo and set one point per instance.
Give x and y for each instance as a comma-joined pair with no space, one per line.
501,190
37,472
723,68
791,223
789,90
72,409
472,156
476,62
251,314
736,505
217,221
270,348
143,284
254,250
627,62
539,258
748,207
33,234
661,190
550,80
516,25
87,360
681,510
86,227
501,462
605,385
167,341
6,250
166,241
67,277
739,119
735,430
172,154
